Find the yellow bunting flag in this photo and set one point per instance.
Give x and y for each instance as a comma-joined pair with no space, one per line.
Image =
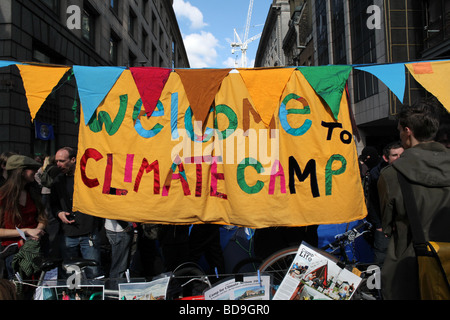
434,77
265,87
39,82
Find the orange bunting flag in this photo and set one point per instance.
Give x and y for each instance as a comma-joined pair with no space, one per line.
265,87
38,83
434,77
201,87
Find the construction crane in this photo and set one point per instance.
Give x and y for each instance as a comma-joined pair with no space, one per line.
243,44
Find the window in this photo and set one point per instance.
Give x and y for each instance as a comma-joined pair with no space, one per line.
146,7
132,23
41,53
154,55
88,18
114,5
154,24
131,59
161,38
337,20
52,4
114,48
144,42
363,49
322,32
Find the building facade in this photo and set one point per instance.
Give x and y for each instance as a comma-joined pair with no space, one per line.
351,32
76,32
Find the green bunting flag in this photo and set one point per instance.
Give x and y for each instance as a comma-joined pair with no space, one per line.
328,82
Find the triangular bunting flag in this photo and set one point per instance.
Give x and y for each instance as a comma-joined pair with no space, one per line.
265,87
329,83
4,63
392,75
434,77
94,83
201,86
37,91
150,82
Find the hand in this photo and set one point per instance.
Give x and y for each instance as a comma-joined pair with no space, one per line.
34,234
63,216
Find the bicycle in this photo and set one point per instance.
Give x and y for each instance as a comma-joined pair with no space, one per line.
74,267
187,280
278,264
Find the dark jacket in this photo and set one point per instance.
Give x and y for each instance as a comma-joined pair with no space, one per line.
61,198
427,167
373,201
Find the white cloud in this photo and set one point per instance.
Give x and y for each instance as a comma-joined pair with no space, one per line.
230,62
201,49
184,9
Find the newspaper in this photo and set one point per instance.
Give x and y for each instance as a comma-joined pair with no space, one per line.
250,288
314,275
153,290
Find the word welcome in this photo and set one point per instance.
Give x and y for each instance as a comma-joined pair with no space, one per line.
259,140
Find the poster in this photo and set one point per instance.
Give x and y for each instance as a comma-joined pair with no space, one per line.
250,288
153,290
82,292
315,276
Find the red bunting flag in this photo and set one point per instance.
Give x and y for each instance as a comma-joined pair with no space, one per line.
150,82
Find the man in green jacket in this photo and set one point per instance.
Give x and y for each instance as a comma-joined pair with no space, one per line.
426,164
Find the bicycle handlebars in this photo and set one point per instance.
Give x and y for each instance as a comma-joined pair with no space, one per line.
348,236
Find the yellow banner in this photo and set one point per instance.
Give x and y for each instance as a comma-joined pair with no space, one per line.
171,169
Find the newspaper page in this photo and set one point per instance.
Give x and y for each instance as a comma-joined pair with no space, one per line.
81,292
315,276
250,288
153,290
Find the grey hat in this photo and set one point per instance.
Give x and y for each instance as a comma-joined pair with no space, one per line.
18,161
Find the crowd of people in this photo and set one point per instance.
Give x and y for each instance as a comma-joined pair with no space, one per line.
36,196
36,199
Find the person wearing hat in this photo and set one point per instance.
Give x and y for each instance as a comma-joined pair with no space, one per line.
20,204
3,173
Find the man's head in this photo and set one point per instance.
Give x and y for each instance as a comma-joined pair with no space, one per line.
392,151
65,160
419,123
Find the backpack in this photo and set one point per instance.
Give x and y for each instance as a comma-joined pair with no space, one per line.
433,258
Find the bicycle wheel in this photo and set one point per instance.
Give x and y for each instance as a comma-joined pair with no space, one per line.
248,265
277,265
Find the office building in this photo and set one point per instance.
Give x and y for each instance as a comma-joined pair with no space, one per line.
352,32
125,33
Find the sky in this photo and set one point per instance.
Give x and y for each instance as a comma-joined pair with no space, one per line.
207,28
